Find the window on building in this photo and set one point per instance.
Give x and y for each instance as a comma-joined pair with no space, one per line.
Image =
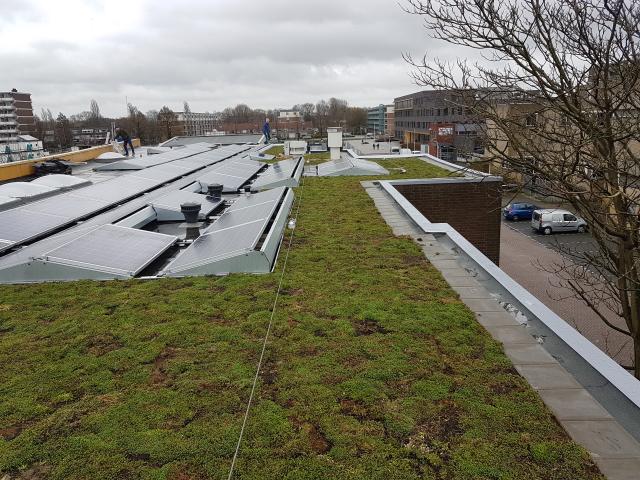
446,111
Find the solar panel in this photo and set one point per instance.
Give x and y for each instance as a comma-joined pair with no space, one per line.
8,202
231,174
20,225
112,249
230,243
24,190
217,245
116,190
161,173
69,206
61,181
285,173
153,160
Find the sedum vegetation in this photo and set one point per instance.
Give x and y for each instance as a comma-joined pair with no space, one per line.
374,369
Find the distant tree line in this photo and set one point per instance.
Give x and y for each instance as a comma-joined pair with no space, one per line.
156,126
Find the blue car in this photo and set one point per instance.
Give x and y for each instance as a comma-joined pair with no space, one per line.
519,211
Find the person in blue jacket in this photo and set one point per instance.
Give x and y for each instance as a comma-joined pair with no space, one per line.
122,136
266,131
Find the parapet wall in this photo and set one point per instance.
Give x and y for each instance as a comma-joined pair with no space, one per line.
470,205
23,168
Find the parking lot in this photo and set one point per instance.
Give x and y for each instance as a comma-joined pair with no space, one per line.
566,243
528,257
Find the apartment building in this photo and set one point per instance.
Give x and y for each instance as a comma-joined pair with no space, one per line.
192,124
16,115
17,127
437,122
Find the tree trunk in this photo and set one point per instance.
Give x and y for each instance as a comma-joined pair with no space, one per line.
636,357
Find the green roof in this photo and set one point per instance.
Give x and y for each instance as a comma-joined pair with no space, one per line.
374,369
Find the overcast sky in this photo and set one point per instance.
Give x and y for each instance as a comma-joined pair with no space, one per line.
211,53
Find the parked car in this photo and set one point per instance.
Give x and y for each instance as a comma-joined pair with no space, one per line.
519,211
550,221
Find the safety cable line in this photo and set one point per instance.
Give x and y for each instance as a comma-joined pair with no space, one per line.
266,337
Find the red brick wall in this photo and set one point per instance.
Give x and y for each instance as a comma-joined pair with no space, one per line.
472,208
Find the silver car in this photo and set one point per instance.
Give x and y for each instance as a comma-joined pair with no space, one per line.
550,221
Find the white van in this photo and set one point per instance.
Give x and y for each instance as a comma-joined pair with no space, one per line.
549,221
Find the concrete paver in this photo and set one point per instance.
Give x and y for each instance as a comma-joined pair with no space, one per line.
603,438
508,335
496,319
547,376
619,468
523,354
573,404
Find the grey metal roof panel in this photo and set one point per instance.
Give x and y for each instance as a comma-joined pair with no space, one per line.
113,249
61,181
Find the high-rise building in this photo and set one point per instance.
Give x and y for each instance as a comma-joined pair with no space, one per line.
16,115
17,127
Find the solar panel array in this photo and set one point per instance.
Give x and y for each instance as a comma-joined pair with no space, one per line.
286,173
25,223
236,233
232,174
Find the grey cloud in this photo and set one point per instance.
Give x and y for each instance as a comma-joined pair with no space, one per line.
217,54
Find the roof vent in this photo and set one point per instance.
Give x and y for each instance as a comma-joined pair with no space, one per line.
214,191
190,210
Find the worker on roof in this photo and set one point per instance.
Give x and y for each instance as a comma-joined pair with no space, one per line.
122,136
266,131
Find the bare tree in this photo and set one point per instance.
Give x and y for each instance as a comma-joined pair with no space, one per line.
167,120
558,92
95,110
62,132
186,108
322,113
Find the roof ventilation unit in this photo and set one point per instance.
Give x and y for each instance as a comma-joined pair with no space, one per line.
190,210
214,191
